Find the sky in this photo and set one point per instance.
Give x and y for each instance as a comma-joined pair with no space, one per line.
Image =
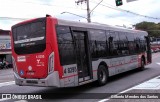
107,13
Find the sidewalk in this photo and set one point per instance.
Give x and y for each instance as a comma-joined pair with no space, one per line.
148,91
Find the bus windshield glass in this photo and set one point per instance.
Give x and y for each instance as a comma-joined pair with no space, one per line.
30,37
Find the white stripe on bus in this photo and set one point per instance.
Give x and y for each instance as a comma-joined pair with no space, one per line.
29,40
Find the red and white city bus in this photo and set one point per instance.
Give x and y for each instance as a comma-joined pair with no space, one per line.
53,52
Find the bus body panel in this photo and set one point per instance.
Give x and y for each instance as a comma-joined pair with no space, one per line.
51,80
52,40
32,66
118,65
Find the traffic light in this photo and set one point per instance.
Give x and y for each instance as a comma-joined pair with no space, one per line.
119,2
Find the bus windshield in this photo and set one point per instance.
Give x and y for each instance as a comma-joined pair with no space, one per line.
29,37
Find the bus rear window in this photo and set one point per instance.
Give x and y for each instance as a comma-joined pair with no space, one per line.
30,37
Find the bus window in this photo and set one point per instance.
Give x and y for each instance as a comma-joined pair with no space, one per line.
98,43
113,43
123,43
30,38
107,42
142,43
137,42
65,45
131,43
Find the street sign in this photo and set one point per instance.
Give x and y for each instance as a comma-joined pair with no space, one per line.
130,0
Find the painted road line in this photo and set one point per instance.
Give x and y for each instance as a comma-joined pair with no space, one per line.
1,100
134,87
21,101
7,83
158,63
104,100
153,83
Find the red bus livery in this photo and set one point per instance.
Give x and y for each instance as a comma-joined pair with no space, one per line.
53,52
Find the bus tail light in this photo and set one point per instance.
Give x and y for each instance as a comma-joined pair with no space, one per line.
14,65
51,62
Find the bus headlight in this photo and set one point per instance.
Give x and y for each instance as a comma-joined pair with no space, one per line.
51,63
14,65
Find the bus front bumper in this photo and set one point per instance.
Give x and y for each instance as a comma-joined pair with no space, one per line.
51,80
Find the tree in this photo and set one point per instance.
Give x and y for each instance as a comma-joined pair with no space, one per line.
152,28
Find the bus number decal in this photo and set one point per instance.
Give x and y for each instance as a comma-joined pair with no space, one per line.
40,56
70,70
39,60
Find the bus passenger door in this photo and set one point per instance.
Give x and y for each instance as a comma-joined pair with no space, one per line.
82,56
149,54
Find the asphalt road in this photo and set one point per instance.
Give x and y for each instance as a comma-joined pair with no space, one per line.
116,84
6,75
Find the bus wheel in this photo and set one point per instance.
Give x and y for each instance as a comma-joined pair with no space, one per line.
102,75
142,64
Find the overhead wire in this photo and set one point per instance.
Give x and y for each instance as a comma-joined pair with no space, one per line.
104,14
101,4
127,11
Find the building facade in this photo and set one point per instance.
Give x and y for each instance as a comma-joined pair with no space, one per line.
5,47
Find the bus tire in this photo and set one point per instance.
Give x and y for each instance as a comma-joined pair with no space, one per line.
142,64
102,75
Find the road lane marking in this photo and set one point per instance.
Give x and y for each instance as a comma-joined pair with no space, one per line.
134,87
104,100
142,85
1,100
158,63
153,83
21,101
7,83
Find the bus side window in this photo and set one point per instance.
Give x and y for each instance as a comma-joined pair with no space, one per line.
143,43
65,45
140,43
107,42
137,42
123,43
113,44
131,43
98,43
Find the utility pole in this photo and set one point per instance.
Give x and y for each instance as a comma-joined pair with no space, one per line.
88,13
88,9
